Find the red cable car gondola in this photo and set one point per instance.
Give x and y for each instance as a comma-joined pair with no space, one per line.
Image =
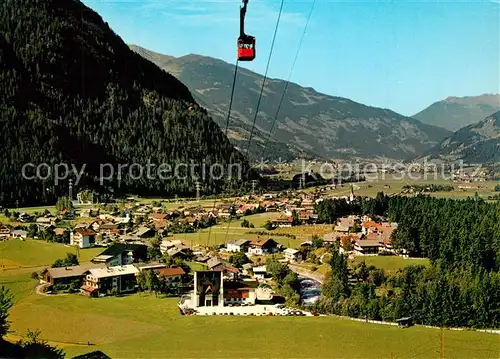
246,43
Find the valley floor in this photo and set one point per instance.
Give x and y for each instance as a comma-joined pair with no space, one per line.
146,326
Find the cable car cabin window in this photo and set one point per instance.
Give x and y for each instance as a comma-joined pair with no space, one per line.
246,49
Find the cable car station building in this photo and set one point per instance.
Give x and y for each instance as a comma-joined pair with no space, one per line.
211,289
208,289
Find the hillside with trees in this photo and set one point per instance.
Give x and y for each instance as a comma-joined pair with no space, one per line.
309,123
71,91
461,288
477,143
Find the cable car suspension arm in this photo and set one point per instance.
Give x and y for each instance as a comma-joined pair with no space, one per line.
243,11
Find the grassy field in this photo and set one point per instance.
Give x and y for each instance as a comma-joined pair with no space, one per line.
390,263
145,326
390,185
30,253
226,231
304,233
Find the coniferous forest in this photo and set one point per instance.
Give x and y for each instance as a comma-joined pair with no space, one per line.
461,287
72,92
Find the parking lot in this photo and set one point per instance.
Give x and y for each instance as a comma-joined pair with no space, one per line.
257,310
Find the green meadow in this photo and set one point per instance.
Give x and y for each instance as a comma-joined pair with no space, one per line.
146,326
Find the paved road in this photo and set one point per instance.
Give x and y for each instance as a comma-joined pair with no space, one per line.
306,273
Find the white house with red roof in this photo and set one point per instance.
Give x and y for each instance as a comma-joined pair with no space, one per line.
82,237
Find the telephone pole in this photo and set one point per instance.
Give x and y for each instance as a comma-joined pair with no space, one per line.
198,188
302,181
254,183
70,190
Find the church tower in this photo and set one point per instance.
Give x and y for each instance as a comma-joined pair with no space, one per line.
351,196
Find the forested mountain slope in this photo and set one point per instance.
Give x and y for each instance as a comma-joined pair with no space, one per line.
309,122
477,143
71,91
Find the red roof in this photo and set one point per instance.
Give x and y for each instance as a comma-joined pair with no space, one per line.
85,232
170,272
159,215
227,268
259,242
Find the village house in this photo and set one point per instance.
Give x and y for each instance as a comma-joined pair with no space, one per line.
346,242
270,206
158,217
45,227
123,220
144,232
4,233
247,268
331,237
267,196
172,276
306,217
165,245
83,238
369,246
210,290
238,245
369,227
307,203
247,206
213,262
191,220
47,220
192,211
150,266
110,280
259,272
282,222
25,217
108,228
59,231
106,217
177,253
19,233
292,255
229,272
345,224
85,225
85,212
66,275
261,246
240,293
122,254
306,244
89,212
225,210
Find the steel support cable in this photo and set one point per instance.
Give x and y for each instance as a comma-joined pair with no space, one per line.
289,78
265,77
260,95
226,130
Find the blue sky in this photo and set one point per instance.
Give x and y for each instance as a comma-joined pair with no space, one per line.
402,55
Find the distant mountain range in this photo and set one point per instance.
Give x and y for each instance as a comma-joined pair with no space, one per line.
457,112
309,124
476,143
